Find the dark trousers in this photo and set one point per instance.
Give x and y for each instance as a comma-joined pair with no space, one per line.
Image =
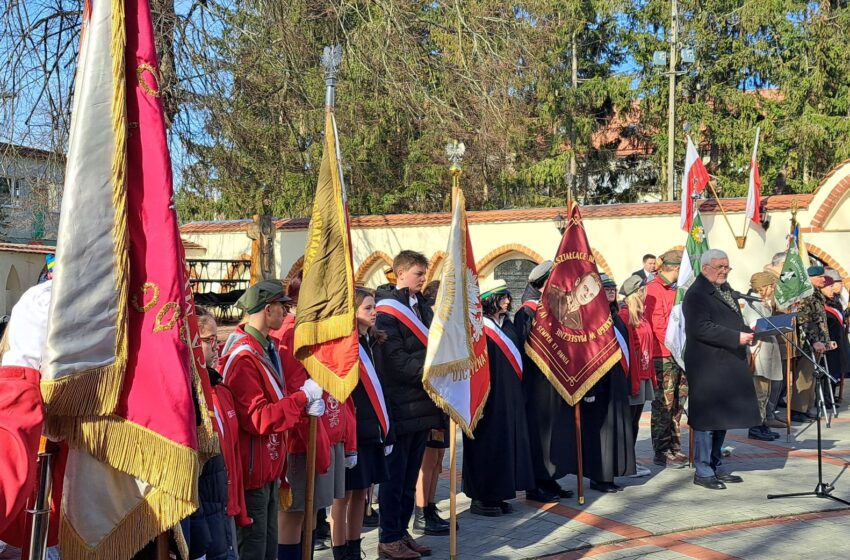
396,496
708,451
637,411
258,541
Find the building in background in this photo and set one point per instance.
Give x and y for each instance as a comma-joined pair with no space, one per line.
31,182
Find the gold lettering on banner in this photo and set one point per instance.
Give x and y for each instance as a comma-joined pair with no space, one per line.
143,82
144,307
161,324
574,256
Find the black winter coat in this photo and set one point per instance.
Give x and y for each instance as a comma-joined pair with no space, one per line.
369,431
210,532
838,360
721,395
403,355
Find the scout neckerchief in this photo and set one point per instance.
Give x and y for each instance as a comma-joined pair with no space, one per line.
505,344
406,315
372,385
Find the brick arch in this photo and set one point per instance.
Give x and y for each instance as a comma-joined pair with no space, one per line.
602,263
827,259
835,196
435,262
367,265
293,271
499,252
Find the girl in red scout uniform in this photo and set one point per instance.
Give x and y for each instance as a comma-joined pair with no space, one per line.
641,373
336,450
264,410
497,462
372,428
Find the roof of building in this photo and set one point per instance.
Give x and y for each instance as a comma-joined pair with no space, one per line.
27,151
639,209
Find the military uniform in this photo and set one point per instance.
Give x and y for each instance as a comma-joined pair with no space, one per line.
811,319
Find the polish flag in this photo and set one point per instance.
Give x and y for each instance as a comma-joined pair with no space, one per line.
694,180
754,194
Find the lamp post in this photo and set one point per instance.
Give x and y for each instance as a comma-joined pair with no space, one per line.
560,223
661,58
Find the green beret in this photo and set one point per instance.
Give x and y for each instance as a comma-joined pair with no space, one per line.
815,271
261,294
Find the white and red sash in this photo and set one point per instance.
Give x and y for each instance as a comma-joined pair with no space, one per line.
244,347
531,304
835,313
505,344
406,316
374,391
624,347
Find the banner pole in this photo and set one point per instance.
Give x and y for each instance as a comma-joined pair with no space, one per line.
41,510
453,490
580,475
307,539
788,375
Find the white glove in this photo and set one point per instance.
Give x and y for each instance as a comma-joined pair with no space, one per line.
316,408
350,461
387,450
312,389
589,399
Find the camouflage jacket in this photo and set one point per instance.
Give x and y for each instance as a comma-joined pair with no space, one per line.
811,317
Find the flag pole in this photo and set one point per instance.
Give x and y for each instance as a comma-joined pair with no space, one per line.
41,508
307,539
739,240
788,375
755,151
453,490
580,457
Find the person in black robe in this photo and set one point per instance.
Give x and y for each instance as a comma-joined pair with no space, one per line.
497,462
547,412
837,354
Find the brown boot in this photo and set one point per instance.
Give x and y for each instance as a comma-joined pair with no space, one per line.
415,546
396,550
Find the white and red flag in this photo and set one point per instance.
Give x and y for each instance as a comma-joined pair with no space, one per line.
456,372
117,368
754,192
694,180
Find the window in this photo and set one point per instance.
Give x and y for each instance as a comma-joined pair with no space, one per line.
6,191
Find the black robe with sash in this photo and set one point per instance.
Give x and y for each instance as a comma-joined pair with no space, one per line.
497,462
553,451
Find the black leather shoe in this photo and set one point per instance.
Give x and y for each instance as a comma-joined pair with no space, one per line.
799,417
565,493
423,523
542,496
480,508
506,508
756,433
607,487
433,514
728,478
709,482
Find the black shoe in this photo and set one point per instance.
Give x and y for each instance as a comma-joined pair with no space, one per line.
487,510
424,524
799,417
354,552
371,518
542,496
506,508
323,528
340,552
565,493
709,482
607,487
552,487
432,513
770,433
757,433
728,478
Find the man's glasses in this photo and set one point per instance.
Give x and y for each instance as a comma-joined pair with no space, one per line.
723,268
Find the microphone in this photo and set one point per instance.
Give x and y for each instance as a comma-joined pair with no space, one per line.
745,297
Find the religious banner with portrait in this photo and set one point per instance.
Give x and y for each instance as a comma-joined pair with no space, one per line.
572,338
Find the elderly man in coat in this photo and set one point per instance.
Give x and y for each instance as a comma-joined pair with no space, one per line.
721,387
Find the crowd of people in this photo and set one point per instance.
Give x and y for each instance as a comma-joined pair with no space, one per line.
389,438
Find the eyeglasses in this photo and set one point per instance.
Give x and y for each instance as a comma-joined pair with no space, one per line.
211,340
724,268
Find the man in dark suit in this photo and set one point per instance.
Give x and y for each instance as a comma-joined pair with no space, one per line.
649,268
721,393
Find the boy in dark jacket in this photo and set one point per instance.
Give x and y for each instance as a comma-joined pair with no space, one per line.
404,315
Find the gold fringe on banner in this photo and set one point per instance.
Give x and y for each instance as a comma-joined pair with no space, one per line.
576,397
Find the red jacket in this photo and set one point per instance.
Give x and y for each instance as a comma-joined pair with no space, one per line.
660,297
228,435
640,352
21,418
335,422
262,410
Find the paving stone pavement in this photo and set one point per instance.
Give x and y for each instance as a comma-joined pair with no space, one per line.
665,516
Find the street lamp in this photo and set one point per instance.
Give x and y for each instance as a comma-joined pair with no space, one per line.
561,223
660,58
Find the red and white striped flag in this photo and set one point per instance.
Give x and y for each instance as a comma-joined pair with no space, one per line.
754,193
694,180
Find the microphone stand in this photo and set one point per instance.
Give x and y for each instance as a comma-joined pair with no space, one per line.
822,489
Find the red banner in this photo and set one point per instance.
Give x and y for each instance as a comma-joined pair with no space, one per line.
572,338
